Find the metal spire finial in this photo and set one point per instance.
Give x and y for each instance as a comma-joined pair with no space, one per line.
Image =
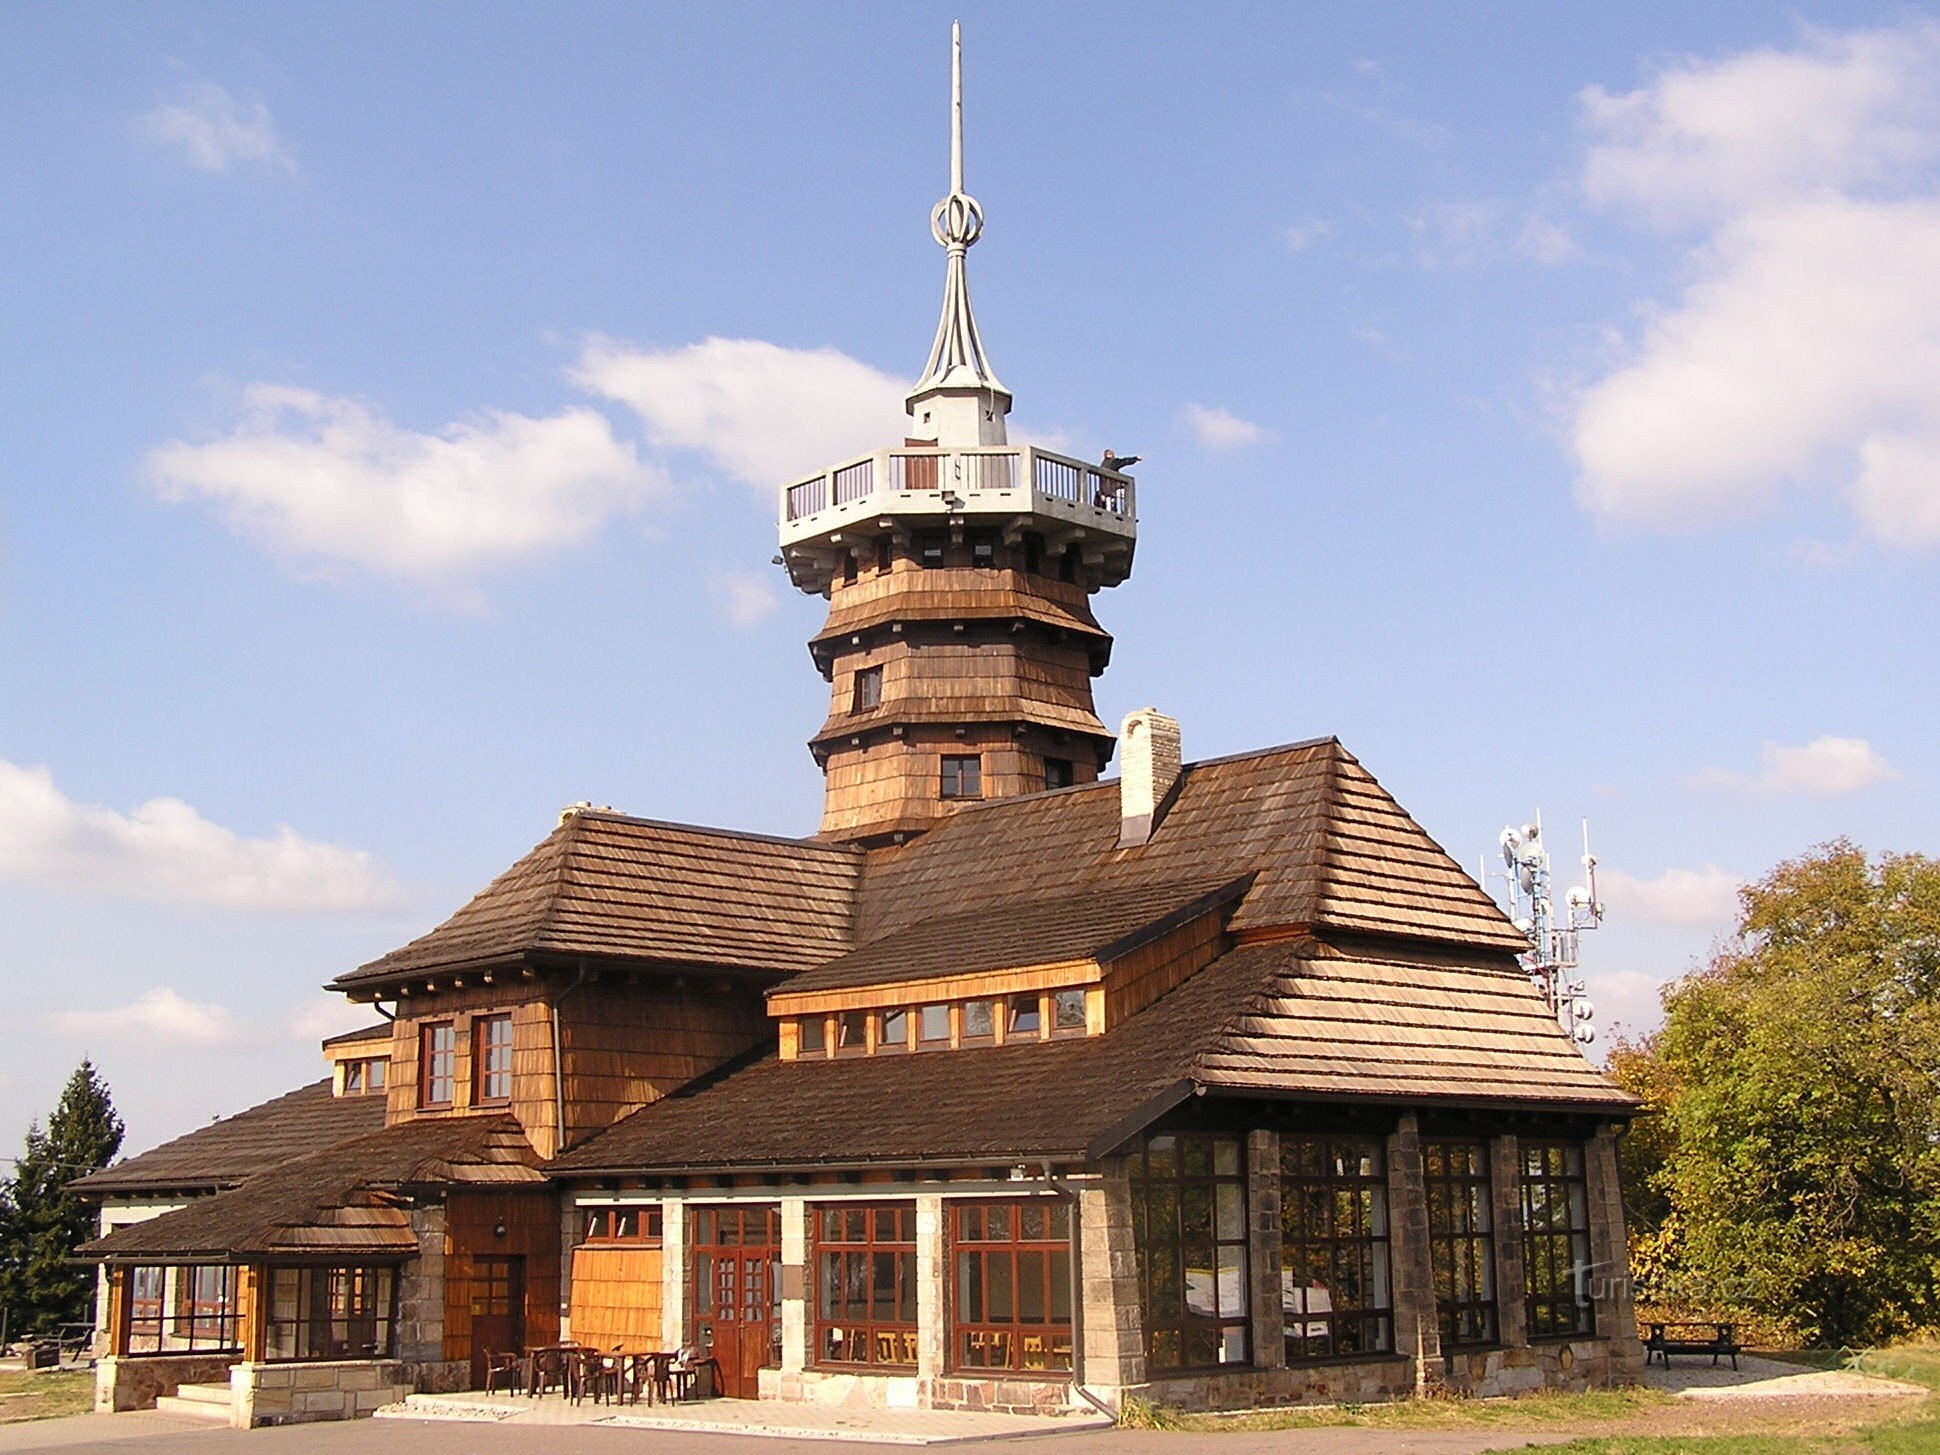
956,358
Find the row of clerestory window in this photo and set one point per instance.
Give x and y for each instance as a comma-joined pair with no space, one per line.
1029,1016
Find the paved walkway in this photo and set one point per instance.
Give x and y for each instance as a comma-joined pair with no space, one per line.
1693,1376
750,1417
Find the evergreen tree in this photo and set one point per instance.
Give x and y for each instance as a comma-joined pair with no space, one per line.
41,1222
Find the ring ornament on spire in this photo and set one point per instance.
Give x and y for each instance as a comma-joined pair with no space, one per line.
957,221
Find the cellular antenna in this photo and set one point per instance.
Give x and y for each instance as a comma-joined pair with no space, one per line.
1552,958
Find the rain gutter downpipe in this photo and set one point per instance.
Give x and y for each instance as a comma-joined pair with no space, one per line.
559,1059
1070,1195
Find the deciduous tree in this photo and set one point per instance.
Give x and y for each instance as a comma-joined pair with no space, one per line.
1796,1087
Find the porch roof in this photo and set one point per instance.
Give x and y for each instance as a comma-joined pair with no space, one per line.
349,1199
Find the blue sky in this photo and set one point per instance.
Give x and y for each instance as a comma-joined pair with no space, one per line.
1540,398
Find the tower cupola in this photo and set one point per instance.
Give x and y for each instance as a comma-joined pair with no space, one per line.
958,567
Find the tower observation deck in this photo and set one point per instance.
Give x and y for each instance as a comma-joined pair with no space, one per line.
958,567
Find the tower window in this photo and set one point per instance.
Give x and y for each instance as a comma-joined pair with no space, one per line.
848,567
1033,551
929,548
885,552
492,1058
868,689
1068,564
1058,773
963,777
983,550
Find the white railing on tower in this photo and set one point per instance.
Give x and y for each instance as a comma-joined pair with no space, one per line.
985,470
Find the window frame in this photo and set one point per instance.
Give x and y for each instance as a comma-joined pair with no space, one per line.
972,1245
1317,1195
846,1271
885,1041
1163,1276
429,1057
366,1075
487,1070
1024,1003
822,1037
1059,773
866,691
960,777
1461,1240
1553,1251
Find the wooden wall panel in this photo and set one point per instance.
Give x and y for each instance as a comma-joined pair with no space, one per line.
1134,980
531,1221
617,1298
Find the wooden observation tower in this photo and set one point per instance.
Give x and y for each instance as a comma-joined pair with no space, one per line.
958,568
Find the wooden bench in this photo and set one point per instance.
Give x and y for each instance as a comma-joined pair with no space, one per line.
1720,1341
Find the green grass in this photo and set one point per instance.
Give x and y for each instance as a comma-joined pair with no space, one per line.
45,1393
1429,1413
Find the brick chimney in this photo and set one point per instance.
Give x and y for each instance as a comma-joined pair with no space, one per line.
1148,748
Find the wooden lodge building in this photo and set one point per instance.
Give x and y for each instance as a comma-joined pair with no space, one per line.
1219,1083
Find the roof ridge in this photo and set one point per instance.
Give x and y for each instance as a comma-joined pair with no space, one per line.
1329,805
610,815
1299,948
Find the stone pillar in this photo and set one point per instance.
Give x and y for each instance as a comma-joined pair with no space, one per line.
1417,1329
674,1272
932,1265
421,1291
1263,1234
1505,1218
1113,1332
797,1284
1610,1289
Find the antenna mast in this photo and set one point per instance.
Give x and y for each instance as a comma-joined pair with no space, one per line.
1552,957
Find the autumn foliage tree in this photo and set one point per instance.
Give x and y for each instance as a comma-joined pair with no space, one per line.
41,1221
1790,1165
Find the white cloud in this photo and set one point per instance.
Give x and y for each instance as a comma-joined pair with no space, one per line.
755,410
1800,357
1712,140
1825,767
323,1016
1547,242
1220,429
1303,235
1457,234
1696,898
744,598
329,480
210,129
161,1018
164,850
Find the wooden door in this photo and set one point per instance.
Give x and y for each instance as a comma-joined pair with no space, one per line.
498,1310
736,1255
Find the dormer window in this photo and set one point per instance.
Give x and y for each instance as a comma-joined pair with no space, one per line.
1068,1013
893,1033
852,1033
812,1035
933,1027
1026,1019
979,1021
365,1075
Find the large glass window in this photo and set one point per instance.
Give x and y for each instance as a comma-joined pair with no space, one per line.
1556,1238
1334,1285
865,1284
1010,1303
1189,1228
331,1313
492,1058
1461,1241
182,1309
437,1063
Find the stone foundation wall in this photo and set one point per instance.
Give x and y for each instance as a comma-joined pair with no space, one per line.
124,1383
1367,1381
1565,1364
293,1394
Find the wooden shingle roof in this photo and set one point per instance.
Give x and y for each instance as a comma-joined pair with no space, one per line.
1295,1019
605,884
1087,926
1327,845
238,1147
339,1200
